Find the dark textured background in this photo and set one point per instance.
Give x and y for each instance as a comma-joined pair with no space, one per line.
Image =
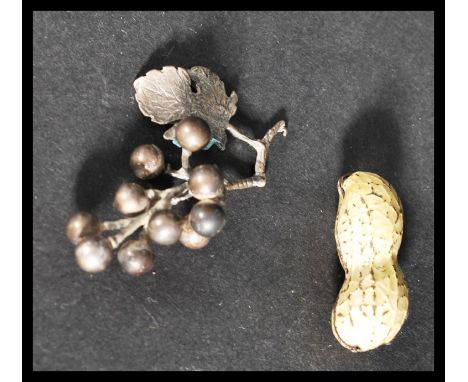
356,90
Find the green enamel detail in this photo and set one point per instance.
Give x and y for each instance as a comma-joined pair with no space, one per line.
207,147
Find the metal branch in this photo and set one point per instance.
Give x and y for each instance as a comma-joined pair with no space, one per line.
114,225
262,146
184,159
183,172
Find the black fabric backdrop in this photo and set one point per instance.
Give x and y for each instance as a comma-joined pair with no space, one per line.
356,90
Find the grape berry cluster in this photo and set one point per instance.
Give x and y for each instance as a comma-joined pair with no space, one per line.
151,209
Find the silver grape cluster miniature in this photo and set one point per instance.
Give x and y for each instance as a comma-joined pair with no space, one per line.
195,101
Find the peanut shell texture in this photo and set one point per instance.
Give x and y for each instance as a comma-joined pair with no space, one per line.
372,304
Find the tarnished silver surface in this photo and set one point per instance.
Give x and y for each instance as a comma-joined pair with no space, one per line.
177,95
166,96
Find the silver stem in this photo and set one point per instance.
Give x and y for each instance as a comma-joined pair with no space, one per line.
184,158
114,225
262,146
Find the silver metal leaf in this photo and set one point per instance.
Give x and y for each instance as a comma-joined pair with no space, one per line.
211,103
166,96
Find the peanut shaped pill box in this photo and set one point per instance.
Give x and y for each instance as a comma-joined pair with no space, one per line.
372,304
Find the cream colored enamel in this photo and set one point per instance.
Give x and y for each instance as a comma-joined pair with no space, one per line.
373,302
